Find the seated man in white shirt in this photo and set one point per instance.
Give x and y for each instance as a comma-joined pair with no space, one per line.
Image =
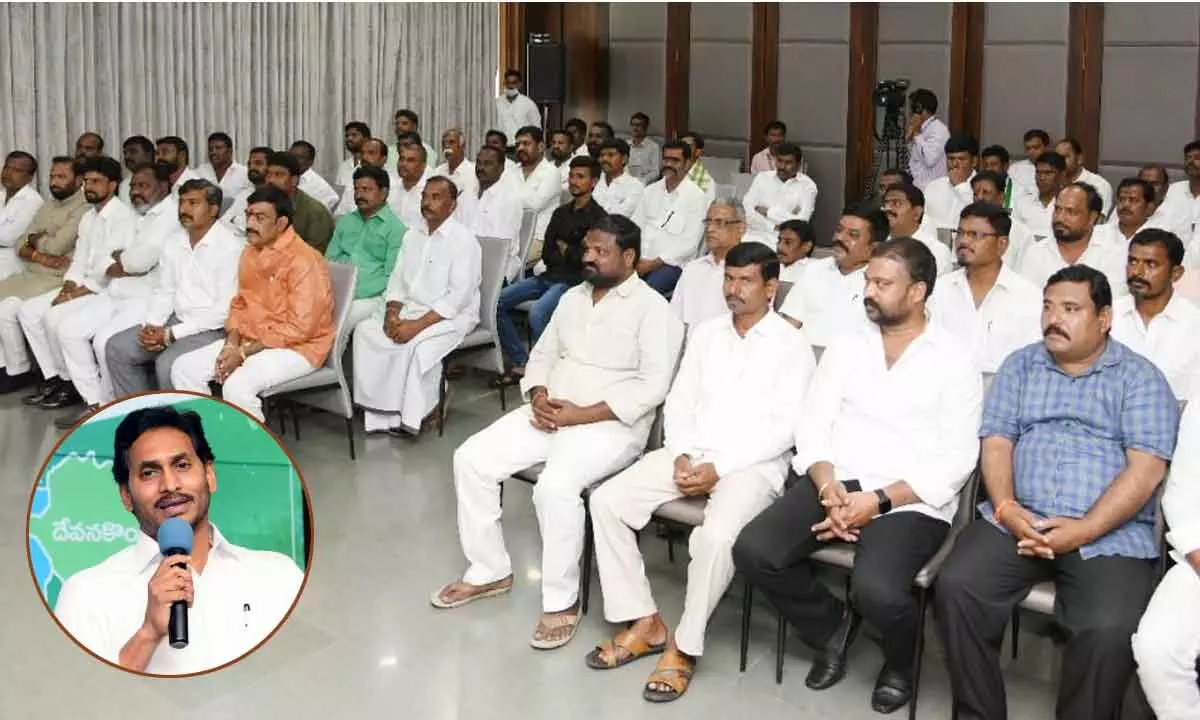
797,240
432,303
1164,216
256,178
988,187
594,380
1036,210
89,145
496,210
904,206
136,150
311,183
1182,201
173,151
498,140
995,158
729,423
374,153
539,181
618,192
559,155
1023,172
945,197
670,216
779,195
354,134
456,166
699,294
645,157
1076,216
405,198
221,169
989,308
19,202
829,300
1072,153
885,441
1167,642
104,230
197,279
407,126
120,609
890,177
83,335
1136,203
1153,320
599,132
775,134
696,171
514,108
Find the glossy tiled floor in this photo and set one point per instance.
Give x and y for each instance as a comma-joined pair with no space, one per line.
364,641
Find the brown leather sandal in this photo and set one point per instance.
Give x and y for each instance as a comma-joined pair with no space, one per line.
675,670
607,655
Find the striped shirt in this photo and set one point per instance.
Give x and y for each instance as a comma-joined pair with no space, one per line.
1071,435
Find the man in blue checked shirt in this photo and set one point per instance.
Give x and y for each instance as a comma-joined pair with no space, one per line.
1077,432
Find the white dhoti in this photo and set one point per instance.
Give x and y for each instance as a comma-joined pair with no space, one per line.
1167,644
397,383
262,370
10,264
575,457
14,356
362,309
40,321
83,336
624,504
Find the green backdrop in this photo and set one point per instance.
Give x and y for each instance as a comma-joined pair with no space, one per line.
77,519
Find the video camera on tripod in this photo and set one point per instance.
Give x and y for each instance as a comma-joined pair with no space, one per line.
891,95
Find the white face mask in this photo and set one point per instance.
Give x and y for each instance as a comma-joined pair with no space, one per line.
510,93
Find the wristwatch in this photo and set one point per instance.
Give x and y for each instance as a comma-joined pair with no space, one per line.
885,502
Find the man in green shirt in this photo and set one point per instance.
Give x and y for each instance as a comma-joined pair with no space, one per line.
369,239
310,218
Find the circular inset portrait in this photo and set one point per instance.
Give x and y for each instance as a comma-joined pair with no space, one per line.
169,534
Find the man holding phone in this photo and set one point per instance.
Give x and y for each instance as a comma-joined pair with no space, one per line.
886,440
1077,434
926,137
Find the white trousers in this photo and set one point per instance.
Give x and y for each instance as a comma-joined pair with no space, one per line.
83,336
263,370
362,309
575,458
10,264
14,356
40,322
1167,644
625,503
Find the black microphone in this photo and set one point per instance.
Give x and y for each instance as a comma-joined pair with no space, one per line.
175,538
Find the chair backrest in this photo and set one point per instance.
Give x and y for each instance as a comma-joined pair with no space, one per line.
525,237
741,184
725,192
722,169
781,294
946,236
495,268
345,280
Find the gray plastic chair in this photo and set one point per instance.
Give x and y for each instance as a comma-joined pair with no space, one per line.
484,336
326,388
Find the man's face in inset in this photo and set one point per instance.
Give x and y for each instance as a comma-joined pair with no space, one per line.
166,480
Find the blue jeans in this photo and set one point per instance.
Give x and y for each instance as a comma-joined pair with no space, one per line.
663,279
545,294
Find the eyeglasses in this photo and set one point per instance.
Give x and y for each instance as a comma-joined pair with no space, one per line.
720,222
971,235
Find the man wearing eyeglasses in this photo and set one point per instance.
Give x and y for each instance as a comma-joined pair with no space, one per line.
986,305
699,295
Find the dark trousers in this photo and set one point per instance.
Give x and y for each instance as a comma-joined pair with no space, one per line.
663,279
1100,601
772,552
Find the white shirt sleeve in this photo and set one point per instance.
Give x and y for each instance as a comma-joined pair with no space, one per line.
16,216
801,200
80,615
225,276
629,204
464,281
162,301
1181,499
659,338
679,244
752,199
679,410
941,475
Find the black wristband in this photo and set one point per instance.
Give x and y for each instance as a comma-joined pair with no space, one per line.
885,502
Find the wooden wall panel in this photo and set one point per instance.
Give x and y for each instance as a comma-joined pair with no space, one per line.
764,69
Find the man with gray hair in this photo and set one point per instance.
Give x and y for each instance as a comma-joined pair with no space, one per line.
196,282
699,294
455,165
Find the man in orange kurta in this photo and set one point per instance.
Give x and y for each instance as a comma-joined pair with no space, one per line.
280,325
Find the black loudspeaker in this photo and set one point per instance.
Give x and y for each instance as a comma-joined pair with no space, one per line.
545,73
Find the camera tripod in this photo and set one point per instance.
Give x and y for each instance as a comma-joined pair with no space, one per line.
891,149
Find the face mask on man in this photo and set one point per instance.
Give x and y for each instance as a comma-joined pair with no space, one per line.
510,93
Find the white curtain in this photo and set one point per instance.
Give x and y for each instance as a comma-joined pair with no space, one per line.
266,73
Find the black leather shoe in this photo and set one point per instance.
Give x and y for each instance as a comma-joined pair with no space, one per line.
13,383
892,691
44,390
64,396
830,665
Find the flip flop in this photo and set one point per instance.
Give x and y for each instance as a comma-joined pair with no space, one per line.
606,657
500,587
560,620
674,671
508,379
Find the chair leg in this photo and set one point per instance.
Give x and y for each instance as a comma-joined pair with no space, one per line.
1016,630
589,542
296,420
780,647
350,436
503,398
747,605
918,652
442,401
